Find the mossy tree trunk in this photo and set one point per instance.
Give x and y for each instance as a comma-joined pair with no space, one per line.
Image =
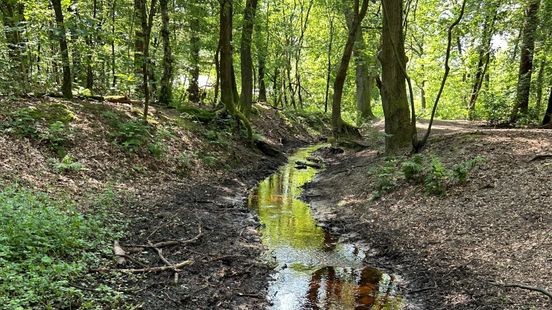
398,128
226,67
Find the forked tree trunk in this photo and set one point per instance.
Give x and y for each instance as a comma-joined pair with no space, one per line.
521,106
66,88
226,68
338,126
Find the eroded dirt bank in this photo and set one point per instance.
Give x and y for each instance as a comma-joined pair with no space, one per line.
454,250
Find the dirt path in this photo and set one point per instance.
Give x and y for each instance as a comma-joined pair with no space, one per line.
454,249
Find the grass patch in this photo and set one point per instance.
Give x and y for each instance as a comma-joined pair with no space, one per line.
45,246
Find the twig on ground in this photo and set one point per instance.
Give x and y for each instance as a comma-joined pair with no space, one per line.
540,156
250,295
163,244
144,270
525,287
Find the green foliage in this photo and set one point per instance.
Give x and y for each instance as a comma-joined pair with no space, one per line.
432,174
412,168
386,178
462,170
45,246
57,136
133,135
21,123
436,177
66,164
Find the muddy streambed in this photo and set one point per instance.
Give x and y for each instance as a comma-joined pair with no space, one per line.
314,270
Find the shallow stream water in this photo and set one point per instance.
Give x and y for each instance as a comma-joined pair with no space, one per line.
314,269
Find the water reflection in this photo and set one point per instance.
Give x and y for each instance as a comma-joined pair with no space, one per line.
315,271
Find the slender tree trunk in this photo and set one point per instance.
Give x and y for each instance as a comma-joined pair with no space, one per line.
398,128
195,48
217,68
13,20
338,127
91,42
423,95
262,84
66,88
139,42
246,63
304,23
521,105
540,83
484,58
146,25
548,114
113,69
165,96
329,65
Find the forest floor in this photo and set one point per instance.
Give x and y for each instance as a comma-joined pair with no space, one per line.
179,180
462,249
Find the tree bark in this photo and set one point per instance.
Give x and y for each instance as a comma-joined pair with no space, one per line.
195,48
246,63
13,17
139,42
146,25
165,95
226,68
521,105
548,114
66,88
398,128
338,127
540,83
329,65
364,79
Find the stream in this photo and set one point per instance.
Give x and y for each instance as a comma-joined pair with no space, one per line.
314,269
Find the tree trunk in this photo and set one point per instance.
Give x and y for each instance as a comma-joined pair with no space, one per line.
423,94
329,65
165,96
548,114
146,25
66,88
90,41
113,69
226,68
246,63
13,19
363,78
195,48
484,58
540,83
398,129
521,105
139,42
338,127
262,83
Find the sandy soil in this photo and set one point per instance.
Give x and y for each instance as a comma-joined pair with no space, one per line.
454,251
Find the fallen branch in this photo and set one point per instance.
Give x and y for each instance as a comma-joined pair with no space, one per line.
163,244
525,287
144,270
540,156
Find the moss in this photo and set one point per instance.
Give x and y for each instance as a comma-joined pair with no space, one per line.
53,112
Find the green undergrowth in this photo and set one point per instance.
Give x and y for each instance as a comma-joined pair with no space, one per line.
429,171
46,248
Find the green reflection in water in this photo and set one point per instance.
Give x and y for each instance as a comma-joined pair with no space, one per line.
287,220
